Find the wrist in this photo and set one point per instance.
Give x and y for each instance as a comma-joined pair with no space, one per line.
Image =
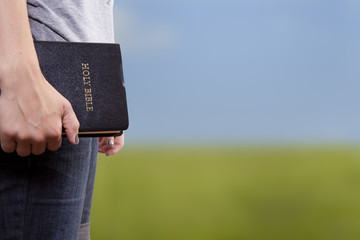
19,69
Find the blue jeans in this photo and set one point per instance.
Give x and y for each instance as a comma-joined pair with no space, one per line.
47,196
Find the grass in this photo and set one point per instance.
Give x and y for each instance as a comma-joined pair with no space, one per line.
233,193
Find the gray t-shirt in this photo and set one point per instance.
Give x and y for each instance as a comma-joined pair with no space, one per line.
72,20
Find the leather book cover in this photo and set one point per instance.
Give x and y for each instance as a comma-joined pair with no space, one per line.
90,76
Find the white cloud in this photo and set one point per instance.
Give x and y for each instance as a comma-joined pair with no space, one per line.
140,36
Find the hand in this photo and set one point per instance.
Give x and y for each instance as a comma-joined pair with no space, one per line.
33,113
110,148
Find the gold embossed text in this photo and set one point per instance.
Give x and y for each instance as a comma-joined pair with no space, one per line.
87,87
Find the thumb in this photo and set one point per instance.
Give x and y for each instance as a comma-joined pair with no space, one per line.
70,124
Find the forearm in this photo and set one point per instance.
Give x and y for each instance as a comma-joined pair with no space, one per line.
16,44
32,111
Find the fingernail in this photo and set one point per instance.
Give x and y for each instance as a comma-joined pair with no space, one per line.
111,143
77,139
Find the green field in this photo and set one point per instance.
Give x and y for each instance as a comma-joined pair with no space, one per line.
189,193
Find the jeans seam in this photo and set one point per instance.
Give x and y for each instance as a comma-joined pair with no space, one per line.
27,196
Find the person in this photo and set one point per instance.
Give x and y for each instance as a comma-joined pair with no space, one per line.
46,181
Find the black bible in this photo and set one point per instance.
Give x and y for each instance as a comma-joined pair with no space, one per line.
90,76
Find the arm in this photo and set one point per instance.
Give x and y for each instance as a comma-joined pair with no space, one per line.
32,111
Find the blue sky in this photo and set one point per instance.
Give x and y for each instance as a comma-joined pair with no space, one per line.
260,70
